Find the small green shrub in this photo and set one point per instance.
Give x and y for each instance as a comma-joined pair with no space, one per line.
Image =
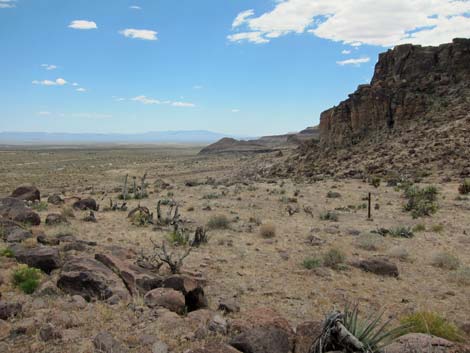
334,258
437,228
218,222
329,216
464,188
39,206
268,230
178,237
421,202
26,278
375,181
312,262
401,232
419,228
6,252
433,324
210,196
445,260
461,276
369,242
333,195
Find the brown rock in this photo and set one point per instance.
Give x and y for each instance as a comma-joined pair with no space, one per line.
190,287
215,348
55,199
27,193
420,342
104,342
42,257
305,335
55,219
167,298
49,332
228,306
86,204
262,340
8,310
378,266
5,328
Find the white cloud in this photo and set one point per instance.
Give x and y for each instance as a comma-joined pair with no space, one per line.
345,52
7,4
356,62
98,116
355,22
57,82
147,100
49,67
44,113
75,84
144,34
81,89
242,18
198,87
235,110
82,24
134,7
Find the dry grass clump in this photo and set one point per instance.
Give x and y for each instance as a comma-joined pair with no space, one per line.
464,188
433,324
218,222
400,253
67,212
268,230
334,258
461,276
329,216
445,260
369,242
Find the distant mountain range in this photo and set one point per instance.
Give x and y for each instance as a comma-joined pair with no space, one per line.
190,136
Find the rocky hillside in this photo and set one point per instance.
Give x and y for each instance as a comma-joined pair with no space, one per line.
413,118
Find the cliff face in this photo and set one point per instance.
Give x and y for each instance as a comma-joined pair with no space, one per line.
410,82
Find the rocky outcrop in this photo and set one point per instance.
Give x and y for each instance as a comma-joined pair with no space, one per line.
16,210
410,82
27,193
43,257
86,204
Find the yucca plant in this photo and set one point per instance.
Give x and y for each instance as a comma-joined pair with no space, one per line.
347,332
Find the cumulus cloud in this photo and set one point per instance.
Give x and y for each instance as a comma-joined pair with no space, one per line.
57,82
7,4
147,100
356,62
49,67
144,34
345,52
83,24
355,22
81,89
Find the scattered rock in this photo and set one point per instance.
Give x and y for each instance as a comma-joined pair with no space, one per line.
167,298
8,310
47,288
16,210
43,257
27,193
90,218
16,235
378,266
49,332
191,289
262,340
55,219
75,246
104,342
55,199
215,348
229,306
159,347
305,335
218,325
46,240
90,279
420,342
85,204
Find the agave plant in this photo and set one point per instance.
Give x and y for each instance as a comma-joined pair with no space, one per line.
347,332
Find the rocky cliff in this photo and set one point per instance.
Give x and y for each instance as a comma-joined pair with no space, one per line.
410,83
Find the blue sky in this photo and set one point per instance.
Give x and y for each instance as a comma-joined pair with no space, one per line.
234,66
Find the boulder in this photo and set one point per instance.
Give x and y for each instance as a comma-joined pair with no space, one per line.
45,240
137,279
305,335
16,210
191,289
8,310
85,204
215,348
420,342
262,340
90,279
55,199
378,266
43,257
104,342
27,193
55,219
12,232
229,306
26,216
49,332
167,298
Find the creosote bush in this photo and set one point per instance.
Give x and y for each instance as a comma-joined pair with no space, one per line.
6,252
218,222
445,260
421,202
312,262
401,232
267,230
464,188
433,324
26,278
329,216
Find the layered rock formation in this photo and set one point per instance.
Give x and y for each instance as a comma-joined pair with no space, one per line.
410,82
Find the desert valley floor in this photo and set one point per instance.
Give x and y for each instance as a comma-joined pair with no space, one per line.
238,263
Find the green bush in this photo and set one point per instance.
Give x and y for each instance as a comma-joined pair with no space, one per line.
218,222
26,278
329,216
433,324
419,228
334,258
375,181
464,188
178,237
401,232
421,202
6,252
39,206
312,262
333,195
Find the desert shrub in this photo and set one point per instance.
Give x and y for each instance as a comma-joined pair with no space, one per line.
26,278
329,216
333,258
433,324
421,202
67,212
464,188
141,218
211,196
255,220
419,228
461,276
399,252
368,242
312,262
267,230
178,237
445,260
401,232
437,228
39,206
375,181
190,209
218,222
333,195
166,202
6,252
